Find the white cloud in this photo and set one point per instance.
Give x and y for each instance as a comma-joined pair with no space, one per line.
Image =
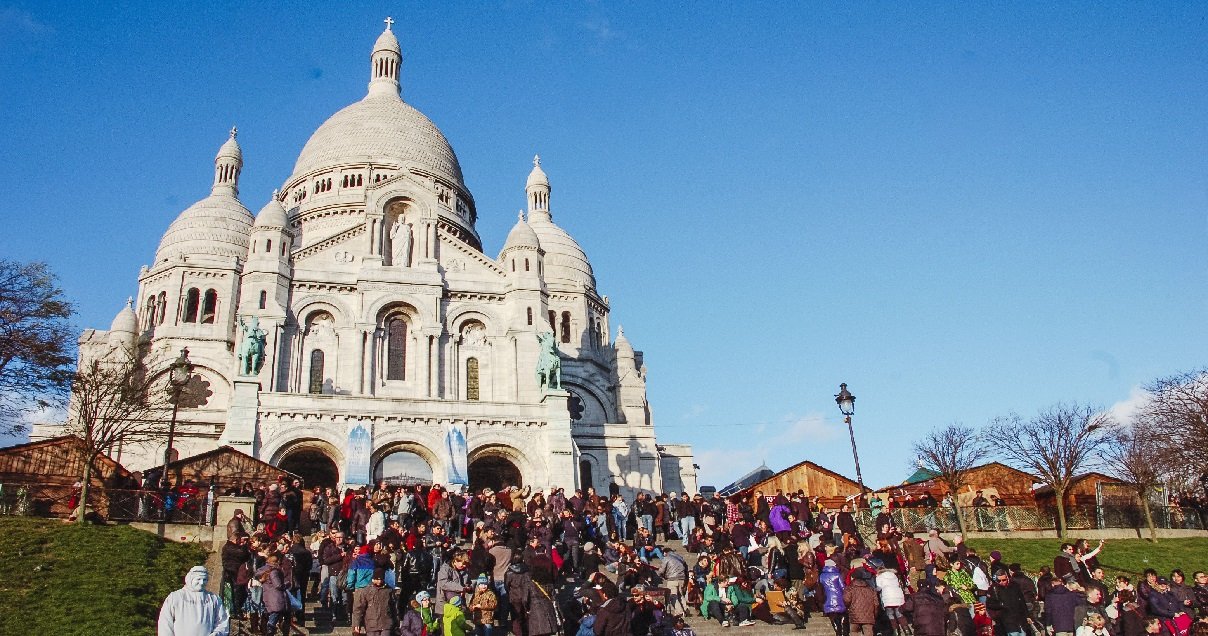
737,451
1124,410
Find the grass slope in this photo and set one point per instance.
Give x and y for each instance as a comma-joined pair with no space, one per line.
1129,557
58,578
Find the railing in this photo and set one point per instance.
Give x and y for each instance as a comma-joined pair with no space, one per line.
112,504
1011,518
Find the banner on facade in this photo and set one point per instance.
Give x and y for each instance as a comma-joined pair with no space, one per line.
457,455
360,446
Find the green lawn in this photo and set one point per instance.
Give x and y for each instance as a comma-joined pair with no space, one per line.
58,578
1125,556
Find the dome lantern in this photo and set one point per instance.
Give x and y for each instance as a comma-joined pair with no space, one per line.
227,166
385,63
537,188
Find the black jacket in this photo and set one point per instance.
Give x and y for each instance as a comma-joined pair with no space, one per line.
233,556
612,618
1008,606
930,613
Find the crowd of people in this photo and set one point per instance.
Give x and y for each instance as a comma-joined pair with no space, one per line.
426,560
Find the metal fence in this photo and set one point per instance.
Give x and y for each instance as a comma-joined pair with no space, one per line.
112,504
1011,518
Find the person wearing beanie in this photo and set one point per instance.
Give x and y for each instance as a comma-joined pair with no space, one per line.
428,618
482,606
454,618
372,607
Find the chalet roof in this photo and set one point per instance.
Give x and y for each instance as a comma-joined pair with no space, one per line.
62,440
799,465
221,450
924,475
742,483
919,476
1048,490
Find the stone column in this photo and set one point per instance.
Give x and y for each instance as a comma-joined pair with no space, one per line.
559,445
243,417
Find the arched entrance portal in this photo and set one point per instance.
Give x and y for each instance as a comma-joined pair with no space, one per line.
494,472
403,468
313,466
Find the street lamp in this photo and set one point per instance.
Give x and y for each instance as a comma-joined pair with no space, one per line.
847,406
178,376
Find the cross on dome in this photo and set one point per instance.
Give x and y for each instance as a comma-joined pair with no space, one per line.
536,161
234,132
129,302
521,216
389,21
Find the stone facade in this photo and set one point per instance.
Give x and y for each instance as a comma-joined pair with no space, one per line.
382,312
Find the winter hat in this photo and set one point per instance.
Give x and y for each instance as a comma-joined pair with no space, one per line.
422,596
482,580
996,555
455,601
589,546
365,549
829,563
379,574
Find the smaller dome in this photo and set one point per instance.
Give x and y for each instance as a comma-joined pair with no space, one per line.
125,320
565,261
521,236
271,215
231,148
537,176
217,225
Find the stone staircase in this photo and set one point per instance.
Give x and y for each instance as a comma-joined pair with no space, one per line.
319,621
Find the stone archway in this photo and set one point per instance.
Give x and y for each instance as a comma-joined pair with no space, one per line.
314,466
494,472
402,467
316,461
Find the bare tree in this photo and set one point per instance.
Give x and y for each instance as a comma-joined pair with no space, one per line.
1056,445
1177,413
1136,457
950,453
35,342
116,399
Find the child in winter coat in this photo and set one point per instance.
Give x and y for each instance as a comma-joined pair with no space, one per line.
892,599
455,622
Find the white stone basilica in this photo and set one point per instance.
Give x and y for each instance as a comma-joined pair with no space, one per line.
387,329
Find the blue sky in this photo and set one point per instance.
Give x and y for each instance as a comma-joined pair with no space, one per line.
959,210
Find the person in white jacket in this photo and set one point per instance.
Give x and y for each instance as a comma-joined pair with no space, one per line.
193,611
376,524
892,598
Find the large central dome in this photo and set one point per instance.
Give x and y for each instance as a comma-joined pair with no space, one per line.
381,128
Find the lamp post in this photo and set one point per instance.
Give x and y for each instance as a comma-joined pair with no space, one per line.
178,376
847,406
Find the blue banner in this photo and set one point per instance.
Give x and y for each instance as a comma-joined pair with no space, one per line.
457,456
360,447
